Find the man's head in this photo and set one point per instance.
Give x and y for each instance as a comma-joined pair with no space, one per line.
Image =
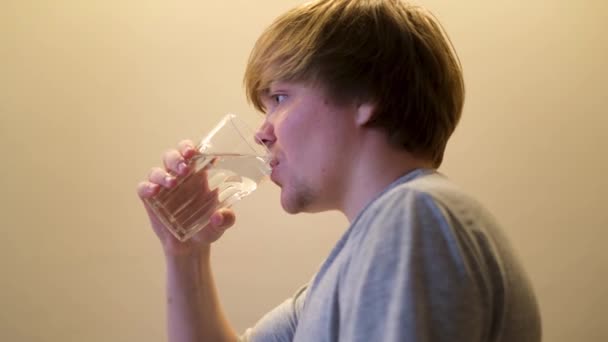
385,52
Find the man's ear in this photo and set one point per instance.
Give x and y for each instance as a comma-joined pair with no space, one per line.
365,112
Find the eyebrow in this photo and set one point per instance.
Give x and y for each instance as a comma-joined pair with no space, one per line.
273,86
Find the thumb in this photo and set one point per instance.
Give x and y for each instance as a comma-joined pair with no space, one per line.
223,218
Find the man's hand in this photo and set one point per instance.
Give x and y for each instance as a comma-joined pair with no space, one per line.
176,167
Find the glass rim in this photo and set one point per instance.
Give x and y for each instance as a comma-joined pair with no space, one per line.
238,124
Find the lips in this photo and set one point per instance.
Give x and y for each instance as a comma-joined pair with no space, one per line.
274,174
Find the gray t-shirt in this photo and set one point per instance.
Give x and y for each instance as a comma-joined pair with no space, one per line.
422,262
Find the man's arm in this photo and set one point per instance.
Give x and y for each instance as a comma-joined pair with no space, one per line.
193,307
194,312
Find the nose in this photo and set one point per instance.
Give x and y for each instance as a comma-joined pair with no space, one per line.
265,135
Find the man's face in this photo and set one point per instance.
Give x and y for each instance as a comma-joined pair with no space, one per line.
311,139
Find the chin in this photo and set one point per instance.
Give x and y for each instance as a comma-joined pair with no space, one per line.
294,202
288,204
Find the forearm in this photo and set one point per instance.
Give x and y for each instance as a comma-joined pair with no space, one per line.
193,307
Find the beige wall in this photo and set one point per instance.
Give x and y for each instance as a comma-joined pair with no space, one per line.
91,93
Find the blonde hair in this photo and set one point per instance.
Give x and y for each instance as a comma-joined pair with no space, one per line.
386,52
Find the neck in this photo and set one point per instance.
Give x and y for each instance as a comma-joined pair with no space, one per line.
377,165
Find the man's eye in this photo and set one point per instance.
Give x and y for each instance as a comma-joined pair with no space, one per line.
279,98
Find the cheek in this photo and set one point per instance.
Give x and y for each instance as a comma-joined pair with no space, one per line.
293,133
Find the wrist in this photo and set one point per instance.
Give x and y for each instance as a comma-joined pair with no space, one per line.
182,255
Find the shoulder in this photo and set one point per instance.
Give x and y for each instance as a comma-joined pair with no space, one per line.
401,215
425,197
432,189
421,215
408,231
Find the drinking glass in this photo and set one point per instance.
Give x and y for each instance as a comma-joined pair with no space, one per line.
229,166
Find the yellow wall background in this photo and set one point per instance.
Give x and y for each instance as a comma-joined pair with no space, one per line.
92,93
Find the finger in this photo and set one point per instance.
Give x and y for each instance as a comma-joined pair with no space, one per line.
175,163
161,177
187,149
223,218
147,189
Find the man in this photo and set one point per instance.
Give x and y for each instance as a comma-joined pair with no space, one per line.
360,99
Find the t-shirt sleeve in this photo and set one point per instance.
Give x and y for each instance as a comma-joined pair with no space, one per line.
410,279
279,325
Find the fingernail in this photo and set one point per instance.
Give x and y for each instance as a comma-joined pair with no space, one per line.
181,167
188,151
217,219
169,179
